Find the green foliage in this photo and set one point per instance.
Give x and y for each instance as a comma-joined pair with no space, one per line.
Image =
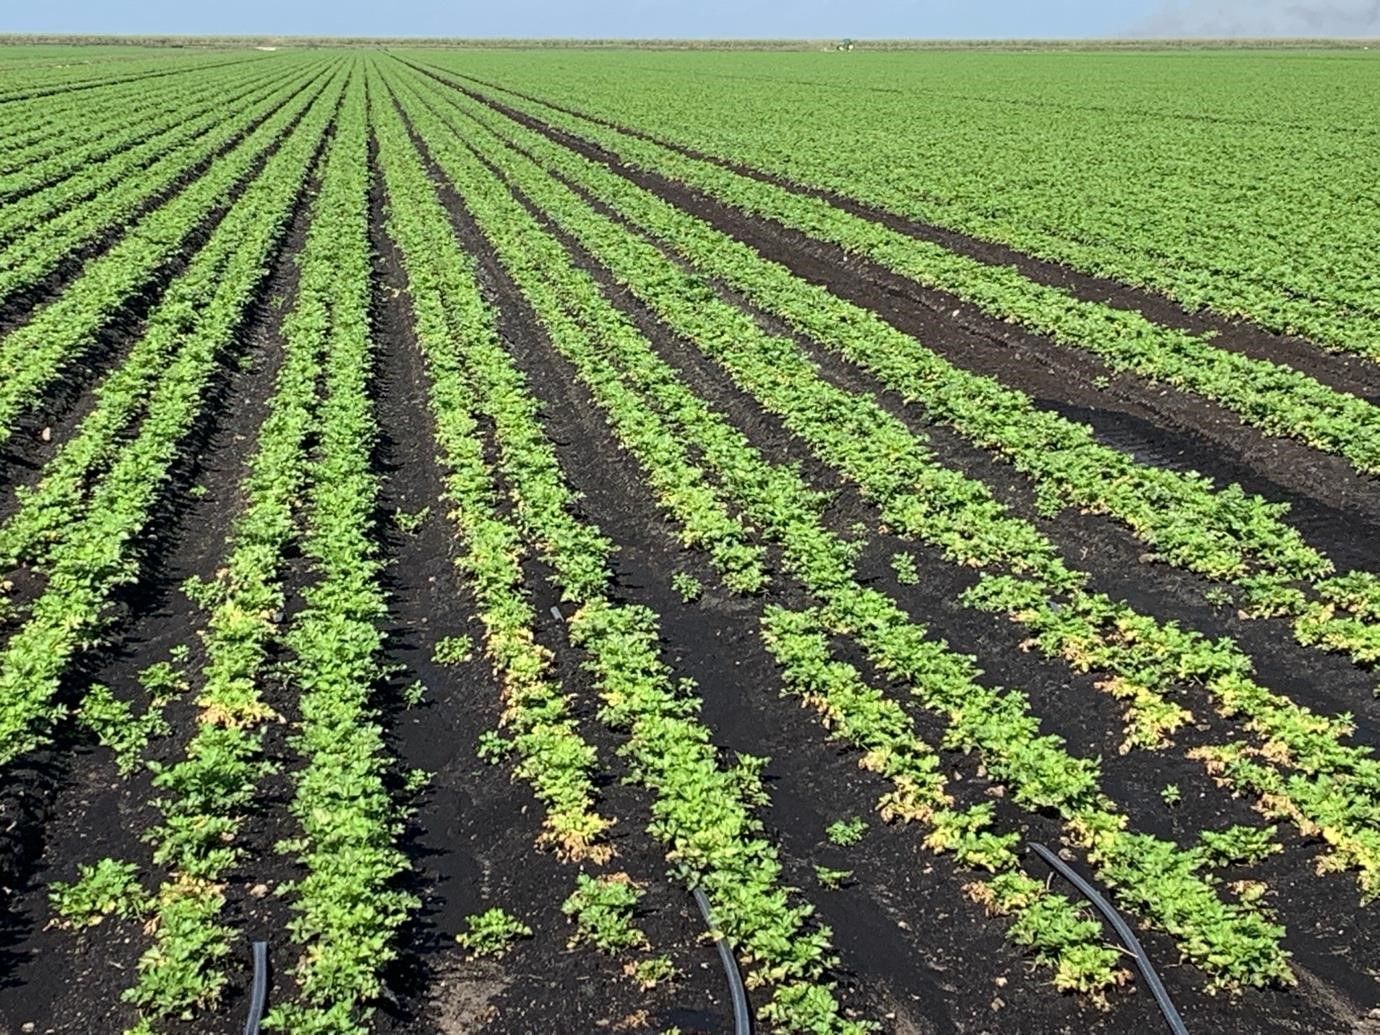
415,780
206,795
1240,844
204,593
453,650
687,586
492,933
102,889
851,434
411,523
85,518
493,747
99,200
846,832
650,973
602,909
700,812
162,682
832,878
907,573
117,727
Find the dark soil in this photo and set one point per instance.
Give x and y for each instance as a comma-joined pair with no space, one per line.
1337,508
90,811
42,433
538,980
18,308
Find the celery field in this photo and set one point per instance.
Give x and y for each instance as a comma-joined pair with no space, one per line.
488,524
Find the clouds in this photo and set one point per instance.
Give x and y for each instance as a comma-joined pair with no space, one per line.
1262,18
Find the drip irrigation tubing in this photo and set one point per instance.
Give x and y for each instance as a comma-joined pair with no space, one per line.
1124,932
258,994
742,1017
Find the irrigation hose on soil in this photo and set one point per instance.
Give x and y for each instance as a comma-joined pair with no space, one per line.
258,994
1124,932
742,1017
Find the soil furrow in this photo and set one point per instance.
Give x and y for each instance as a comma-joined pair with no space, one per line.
42,432
474,836
1068,703
812,783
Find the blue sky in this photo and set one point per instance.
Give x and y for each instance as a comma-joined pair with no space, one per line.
933,19
636,18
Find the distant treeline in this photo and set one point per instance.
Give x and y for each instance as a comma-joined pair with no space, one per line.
681,44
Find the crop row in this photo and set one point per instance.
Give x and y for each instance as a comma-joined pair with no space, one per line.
56,336
70,120
129,145
1036,767
553,758
1277,399
207,794
27,260
347,908
1023,576
348,904
98,548
1096,181
106,134
865,719
1223,535
701,810
33,87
